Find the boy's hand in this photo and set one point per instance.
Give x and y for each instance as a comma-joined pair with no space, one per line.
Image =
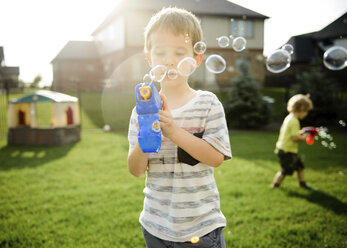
167,123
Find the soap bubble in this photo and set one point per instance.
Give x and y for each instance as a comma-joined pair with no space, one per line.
172,74
335,58
289,48
215,63
278,61
223,41
239,44
186,66
200,47
324,143
158,73
332,145
147,79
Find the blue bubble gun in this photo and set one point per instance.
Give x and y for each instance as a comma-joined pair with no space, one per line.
148,104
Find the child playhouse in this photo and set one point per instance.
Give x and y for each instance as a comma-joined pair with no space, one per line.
43,118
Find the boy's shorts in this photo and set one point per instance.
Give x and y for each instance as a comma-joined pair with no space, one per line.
290,162
214,239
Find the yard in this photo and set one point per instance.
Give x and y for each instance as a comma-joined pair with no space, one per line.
82,195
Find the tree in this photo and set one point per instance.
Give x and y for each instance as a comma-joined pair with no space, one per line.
36,81
246,107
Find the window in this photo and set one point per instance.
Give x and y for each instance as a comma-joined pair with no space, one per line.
241,28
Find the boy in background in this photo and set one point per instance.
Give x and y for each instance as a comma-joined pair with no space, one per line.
181,195
298,107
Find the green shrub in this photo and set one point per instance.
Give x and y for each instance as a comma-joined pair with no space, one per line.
245,106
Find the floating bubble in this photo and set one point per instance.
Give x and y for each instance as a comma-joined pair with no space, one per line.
335,58
289,48
278,61
215,63
324,143
158,73
239,44
172,74
186,66
200,47
342,123
323,132
326,138
332,145
223,41
147,78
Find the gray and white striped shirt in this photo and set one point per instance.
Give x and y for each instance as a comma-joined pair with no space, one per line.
182,201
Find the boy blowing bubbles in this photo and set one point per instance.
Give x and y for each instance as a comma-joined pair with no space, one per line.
287,143
181,196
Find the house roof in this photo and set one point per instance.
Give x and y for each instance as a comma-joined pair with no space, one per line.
9,70
336,29
304,44
198,7
78,50
45,96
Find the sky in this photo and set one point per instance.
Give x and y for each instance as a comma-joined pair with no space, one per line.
33,32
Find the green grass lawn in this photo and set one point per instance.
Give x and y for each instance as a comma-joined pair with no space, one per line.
82,195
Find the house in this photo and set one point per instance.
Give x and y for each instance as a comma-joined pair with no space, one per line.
117,46
76,64
311,45
8,74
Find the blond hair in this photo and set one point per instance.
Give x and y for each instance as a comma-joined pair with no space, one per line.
299,102
178,21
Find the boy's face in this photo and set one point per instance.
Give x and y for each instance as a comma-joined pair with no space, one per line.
302,114
169,49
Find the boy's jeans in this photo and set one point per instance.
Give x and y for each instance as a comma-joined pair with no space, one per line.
214,239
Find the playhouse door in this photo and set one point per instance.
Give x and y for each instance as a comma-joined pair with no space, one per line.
69,116
21,118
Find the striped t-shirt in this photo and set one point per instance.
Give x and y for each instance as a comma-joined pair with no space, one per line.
181,200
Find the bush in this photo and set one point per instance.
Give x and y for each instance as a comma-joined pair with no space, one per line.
246,106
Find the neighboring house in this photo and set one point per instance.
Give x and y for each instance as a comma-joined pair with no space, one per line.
120,37
311,45
8,74
77,67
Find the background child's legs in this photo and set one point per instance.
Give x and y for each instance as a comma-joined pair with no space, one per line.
301,175
278,179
